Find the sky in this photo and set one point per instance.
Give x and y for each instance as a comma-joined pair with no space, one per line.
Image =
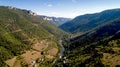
63,8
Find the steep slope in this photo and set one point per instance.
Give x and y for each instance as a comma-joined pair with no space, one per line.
57,21
24,33
89,21
99,47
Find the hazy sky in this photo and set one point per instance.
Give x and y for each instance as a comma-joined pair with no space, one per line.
63,8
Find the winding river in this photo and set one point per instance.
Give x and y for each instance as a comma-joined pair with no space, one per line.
62,50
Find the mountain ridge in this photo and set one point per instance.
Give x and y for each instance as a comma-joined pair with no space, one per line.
86,22
94,47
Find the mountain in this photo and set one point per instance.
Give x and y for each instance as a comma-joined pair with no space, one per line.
26,38
96,48
84,23
57,21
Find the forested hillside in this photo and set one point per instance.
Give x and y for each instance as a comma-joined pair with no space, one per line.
21,30
97,48
87,22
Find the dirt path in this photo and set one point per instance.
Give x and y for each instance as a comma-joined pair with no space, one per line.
11,62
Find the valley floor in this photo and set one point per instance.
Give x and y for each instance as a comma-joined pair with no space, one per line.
39,53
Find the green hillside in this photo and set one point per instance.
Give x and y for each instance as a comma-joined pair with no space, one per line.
97,48
84,23
19,31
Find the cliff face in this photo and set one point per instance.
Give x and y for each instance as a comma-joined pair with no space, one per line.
56,20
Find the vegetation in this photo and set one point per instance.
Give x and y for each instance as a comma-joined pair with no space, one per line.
84,23
19,31
22,33
96,47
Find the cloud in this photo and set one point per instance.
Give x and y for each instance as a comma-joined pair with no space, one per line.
49,5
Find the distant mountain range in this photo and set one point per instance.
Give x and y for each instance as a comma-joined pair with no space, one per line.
87,22
55,20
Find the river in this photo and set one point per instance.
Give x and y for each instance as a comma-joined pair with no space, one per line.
62,50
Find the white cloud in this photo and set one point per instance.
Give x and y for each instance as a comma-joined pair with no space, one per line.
49,5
